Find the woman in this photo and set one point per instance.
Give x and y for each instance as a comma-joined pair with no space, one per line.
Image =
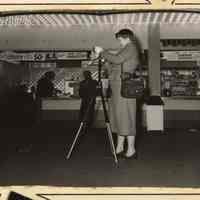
122,110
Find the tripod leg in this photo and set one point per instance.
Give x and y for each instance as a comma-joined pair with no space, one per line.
81,126
108,127
111,141
75,139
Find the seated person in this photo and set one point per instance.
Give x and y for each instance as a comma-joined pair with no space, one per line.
87,92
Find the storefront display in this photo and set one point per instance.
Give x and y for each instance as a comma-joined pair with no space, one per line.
178,79
180,85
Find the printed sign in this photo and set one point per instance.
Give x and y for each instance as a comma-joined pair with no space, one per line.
181,55
43,56
72,55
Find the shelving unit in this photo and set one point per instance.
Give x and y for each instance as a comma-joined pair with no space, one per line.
180,78
180,82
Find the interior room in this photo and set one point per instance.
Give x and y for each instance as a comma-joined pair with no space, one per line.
37,135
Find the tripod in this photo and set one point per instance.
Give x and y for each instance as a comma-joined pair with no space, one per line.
107,121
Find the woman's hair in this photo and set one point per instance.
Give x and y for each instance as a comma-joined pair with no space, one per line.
50,75
127,33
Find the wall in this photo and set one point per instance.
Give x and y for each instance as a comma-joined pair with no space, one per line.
187,31
75,37
13,73
54,38
79,37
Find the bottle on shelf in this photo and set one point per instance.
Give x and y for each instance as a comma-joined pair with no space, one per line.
167,90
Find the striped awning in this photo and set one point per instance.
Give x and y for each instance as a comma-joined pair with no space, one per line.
66,19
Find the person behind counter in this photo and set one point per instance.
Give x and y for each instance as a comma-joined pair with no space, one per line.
45,86
87,93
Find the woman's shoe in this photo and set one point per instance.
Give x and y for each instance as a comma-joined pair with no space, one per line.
120,154
134,156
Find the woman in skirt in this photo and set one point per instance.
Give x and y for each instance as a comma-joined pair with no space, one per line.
122,110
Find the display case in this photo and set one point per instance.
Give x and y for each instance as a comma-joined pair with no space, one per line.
180,73
180,86
177,82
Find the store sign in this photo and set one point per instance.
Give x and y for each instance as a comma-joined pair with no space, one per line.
181,55
43,56
82,55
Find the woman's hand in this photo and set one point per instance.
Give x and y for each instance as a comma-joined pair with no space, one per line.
93,55
98,49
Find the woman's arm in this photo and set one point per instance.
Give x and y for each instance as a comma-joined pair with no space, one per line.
121,56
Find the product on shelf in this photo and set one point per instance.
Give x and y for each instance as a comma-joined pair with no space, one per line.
179,83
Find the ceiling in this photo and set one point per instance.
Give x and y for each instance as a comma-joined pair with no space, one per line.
67,20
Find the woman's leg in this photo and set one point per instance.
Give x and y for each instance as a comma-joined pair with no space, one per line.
131,146
120,144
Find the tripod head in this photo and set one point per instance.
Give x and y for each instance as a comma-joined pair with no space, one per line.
94,57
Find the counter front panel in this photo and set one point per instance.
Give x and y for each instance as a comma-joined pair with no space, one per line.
67,109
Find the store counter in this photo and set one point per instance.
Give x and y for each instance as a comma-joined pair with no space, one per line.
60,103
67,108
179,111
182,111
181,103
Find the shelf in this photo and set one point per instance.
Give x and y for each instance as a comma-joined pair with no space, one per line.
171,48
164,64
182,97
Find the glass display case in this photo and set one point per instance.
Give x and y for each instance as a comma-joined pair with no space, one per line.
180,74
180,82
180,88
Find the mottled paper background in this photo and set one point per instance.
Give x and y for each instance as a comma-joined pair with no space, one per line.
62,193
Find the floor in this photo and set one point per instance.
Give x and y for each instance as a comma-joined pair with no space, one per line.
37,156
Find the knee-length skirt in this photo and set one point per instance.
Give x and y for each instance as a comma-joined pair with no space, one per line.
122,111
